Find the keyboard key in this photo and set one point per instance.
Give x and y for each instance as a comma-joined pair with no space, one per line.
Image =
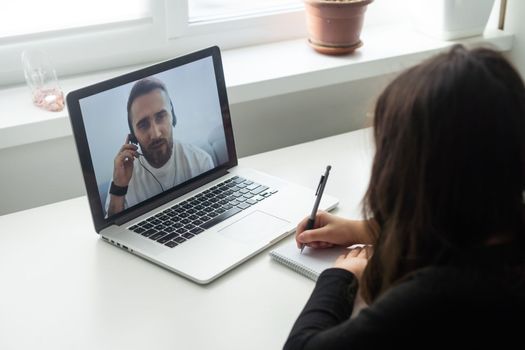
139,230
167,238
179,240
259,189
172,244
253,186
243,205
157,235
148,233
187,235
221,218
196,230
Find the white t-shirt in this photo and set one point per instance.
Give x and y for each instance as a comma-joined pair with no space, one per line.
186,161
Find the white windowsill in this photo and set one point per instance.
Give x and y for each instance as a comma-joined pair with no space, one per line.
252,73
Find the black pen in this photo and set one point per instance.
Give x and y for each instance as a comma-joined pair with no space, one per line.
318,195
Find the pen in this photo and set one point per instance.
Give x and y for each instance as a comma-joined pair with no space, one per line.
318,195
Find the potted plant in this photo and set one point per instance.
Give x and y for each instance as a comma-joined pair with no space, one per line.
334,26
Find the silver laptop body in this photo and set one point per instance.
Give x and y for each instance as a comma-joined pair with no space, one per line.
209,222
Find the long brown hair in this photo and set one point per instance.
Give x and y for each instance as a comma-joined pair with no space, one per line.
449,168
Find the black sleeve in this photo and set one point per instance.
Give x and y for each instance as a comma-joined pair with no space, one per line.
329,305
325,321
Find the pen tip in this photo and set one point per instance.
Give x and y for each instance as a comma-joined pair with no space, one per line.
328,167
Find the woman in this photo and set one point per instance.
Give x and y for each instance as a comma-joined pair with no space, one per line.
444,217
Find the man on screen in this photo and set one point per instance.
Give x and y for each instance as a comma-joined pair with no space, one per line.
164,162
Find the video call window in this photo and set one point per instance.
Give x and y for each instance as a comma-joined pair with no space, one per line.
150,135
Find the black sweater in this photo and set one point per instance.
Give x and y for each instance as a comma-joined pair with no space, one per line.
436,307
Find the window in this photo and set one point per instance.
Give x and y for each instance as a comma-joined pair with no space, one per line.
23,18
80,37
202,10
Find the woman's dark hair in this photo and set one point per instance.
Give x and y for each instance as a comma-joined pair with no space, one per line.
448,176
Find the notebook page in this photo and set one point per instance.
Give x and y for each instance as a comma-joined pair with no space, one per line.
311,262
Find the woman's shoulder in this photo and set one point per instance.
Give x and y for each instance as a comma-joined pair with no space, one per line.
446,298
464,289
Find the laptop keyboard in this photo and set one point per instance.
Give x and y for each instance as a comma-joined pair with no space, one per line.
183,221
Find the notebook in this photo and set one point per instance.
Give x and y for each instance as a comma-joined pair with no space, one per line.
158,157
311,262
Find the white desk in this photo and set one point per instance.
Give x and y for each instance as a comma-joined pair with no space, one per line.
63,288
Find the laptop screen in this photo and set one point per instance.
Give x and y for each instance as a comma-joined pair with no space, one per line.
152,132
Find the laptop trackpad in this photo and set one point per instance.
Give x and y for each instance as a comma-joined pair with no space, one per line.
256,227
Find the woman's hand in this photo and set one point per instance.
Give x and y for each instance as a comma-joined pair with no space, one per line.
355,260
331,230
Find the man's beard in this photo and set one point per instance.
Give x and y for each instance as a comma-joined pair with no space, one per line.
158,152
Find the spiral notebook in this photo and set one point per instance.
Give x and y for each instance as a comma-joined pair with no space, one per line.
310,263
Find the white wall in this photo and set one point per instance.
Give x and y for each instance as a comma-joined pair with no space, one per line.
46,172
514,23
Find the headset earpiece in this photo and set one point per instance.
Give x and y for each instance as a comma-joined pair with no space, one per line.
173,117
132,139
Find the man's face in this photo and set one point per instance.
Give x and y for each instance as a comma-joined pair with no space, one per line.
151,120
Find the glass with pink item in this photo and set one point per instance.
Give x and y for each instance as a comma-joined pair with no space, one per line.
42,79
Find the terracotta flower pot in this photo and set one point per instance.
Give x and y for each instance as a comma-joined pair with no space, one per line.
334,27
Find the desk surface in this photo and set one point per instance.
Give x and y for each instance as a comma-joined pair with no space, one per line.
63,288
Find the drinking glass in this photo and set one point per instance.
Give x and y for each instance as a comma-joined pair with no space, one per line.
42,79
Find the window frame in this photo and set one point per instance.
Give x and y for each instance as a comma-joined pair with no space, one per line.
165,33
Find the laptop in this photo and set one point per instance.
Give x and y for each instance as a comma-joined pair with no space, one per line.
158,158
